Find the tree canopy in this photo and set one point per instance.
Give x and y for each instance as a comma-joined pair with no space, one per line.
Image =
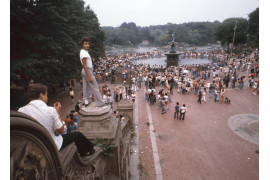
225,31
195,33
45,39
253,29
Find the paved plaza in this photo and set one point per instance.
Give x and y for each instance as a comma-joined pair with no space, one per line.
215,141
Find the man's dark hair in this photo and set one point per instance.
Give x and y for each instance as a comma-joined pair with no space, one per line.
35,89
85,39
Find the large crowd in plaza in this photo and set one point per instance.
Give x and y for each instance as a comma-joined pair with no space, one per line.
203,80
159,82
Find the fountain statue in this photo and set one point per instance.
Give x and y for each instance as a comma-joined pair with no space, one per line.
172,56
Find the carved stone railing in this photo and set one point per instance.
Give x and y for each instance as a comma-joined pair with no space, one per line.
125,148
99,122
34,155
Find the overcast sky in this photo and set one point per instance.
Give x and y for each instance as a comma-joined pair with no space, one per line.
160,12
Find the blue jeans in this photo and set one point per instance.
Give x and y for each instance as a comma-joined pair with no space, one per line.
210,94
163,109
151,100
114,94
176,114
183,91
242,85
215,98
146,97
196,91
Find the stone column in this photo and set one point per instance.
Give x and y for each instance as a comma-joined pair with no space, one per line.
130,74
125,108
97,122
119,76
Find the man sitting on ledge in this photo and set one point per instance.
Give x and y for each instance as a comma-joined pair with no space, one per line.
49,117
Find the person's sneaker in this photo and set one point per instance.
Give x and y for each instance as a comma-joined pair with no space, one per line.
88,153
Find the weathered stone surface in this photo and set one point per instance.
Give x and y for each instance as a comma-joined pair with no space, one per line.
97,122
119,76
125,108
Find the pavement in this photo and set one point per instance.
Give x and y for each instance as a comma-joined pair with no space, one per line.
203,146
215,141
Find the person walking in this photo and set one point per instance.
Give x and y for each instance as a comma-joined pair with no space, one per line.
216,92
133,96
77,106
121,93
146,94
222,96
163,110
203,95
89,80
114,92
176,112
210,92
200,97
218,95
151,96
116,95
72,94
183,110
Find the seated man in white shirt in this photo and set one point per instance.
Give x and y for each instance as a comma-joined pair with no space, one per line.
49,117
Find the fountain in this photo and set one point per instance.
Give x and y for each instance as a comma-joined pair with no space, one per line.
172,56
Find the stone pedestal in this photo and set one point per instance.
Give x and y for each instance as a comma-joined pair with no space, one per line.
119,76
130,74
172,56
97,122
125,108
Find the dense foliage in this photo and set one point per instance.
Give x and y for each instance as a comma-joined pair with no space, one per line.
45,39
225,31
253,29
192,33
247,31
195,33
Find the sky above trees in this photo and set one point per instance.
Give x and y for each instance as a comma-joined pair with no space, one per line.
159,12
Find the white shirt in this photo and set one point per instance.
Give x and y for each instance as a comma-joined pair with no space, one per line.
85,54
47,116
183,109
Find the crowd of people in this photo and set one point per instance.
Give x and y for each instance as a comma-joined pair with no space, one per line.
71,122
202,80
160,83
205,81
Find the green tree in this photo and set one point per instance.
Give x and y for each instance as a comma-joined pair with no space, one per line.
181,34
224,32
164,39
253,28
45,39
